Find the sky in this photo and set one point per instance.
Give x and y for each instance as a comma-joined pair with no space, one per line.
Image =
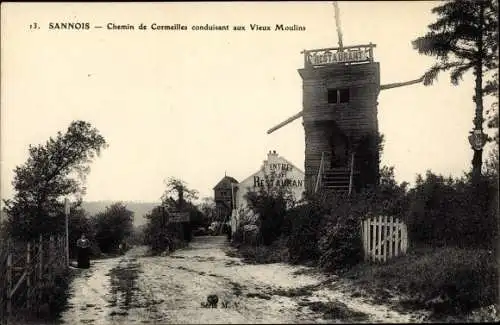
197,104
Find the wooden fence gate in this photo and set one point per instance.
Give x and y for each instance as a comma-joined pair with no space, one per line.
383,238
26,269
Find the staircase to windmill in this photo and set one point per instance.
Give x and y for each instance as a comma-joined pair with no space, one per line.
336,179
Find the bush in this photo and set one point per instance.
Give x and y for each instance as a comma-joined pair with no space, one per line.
277,252
341,245
113,226
302,226
246,237
444,280
270,203
54,299
453,212
237,236
59,294
340,242
160,236
137,236
159,241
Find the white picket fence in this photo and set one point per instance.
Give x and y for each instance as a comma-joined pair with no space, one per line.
384,237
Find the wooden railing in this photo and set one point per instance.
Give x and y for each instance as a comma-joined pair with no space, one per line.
320,173
351,175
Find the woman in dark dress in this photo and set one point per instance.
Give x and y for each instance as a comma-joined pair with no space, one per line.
83,245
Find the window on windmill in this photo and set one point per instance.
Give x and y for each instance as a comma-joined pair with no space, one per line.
336,96
332,96
344,95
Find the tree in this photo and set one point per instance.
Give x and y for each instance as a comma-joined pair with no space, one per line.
159,234
491,164
156,234
138,233
493,122
207,207
196,217
113,226
270,202
52,171
177,193
178,196
465,37
80,223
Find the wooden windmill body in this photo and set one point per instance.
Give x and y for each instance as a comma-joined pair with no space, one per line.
340,91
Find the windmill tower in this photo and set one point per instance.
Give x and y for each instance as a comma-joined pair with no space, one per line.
340,91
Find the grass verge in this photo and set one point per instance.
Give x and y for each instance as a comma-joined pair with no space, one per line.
445,281
277,252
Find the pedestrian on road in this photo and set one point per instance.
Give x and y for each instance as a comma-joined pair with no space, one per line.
83,245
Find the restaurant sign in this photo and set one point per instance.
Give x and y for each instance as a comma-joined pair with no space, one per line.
337,56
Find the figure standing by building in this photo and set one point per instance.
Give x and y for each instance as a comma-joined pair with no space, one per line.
83,245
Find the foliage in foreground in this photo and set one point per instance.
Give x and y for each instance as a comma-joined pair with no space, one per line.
53,302
444,280
277,252
270,203
303,230
453,212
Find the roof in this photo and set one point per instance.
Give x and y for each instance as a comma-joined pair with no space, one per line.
226,182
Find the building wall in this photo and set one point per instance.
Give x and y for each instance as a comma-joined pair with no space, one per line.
286,174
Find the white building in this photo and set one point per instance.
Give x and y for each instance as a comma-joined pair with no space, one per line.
277,169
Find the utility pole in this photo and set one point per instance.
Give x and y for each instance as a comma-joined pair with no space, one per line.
66,212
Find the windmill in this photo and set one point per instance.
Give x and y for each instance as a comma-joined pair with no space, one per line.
340,91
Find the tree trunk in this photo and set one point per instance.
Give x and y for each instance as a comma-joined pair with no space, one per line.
477,159
477,165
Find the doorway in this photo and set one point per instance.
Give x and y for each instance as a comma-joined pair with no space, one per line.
339,148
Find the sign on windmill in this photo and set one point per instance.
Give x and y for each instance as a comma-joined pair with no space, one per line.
337,55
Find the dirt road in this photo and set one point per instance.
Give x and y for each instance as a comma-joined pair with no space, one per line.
137,289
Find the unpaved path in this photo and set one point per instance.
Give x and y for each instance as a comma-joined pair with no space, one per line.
136,289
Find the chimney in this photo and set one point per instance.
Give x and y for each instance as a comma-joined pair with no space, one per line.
272,157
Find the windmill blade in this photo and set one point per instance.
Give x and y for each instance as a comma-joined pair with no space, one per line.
285,122
401,84
382,87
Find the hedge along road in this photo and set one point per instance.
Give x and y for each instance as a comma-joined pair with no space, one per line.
141,289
